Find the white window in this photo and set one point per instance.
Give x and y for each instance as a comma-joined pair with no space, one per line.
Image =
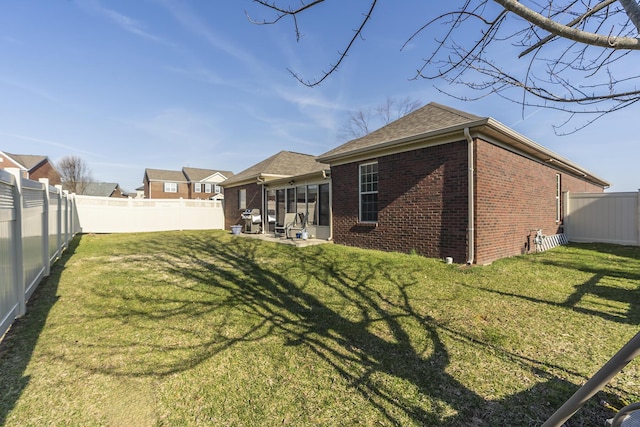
197,187
207,188
170,187
242,199
217,189
369,192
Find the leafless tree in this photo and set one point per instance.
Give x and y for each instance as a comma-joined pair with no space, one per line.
576,56
366,120
74,174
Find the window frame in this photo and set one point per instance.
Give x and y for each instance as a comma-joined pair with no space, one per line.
368,216
242,198
170,187
197,187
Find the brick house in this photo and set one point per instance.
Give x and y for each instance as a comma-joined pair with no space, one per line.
188,183
103,189
446,183
33,167
285,183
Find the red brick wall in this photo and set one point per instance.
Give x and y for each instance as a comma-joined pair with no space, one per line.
232,215
422,197
6,162
157,191
117,193
513,195
45,170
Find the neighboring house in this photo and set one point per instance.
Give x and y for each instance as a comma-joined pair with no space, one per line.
139,193
103,189
205,183
32,167
445,183
188,183
285,183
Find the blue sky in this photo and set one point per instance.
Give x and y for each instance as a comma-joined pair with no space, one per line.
162,84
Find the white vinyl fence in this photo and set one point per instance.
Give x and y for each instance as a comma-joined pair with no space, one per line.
114,215
37,222
603,217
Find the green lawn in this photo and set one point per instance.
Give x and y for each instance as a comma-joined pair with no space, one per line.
205,328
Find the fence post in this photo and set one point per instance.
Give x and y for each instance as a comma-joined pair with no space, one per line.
180,213
65,197
59,220
638,218
46,258
19,259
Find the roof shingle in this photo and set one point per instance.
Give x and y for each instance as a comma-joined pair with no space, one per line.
429,118
283,164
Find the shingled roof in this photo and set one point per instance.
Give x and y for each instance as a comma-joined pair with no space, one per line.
28,161
435,123
100,189
165,175
197,174
281,165
431,117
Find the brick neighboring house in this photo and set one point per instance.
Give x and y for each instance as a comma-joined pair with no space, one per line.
446,183
103,189
33,167
188,183
285,183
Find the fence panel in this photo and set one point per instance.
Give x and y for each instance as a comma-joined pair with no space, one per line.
33,233
603,217
54,223
30,239
8,290
112,215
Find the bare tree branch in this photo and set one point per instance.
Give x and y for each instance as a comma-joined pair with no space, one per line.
633,11
573,23
74,174
564,31
587,65
366,120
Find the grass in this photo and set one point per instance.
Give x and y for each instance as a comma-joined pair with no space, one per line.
204,328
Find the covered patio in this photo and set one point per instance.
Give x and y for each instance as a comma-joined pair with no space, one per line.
271,237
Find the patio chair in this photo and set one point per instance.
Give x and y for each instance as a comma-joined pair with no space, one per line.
298,224
280,229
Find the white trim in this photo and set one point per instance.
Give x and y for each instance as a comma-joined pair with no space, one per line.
361,193
167,187
558,198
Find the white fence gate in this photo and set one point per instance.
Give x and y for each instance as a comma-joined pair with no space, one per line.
37,222
603,217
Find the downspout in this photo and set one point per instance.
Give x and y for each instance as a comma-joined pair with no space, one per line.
330,238
470,202
328,177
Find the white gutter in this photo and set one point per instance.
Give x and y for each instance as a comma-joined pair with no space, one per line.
263,211
471,197
330,238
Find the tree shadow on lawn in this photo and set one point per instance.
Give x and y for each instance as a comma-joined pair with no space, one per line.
19,343
617,279
617,282
338,331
